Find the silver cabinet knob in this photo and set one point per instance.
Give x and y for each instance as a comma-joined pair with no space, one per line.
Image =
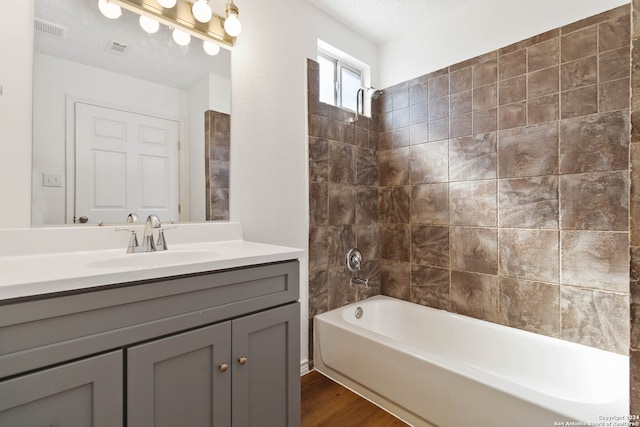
242,360
223,367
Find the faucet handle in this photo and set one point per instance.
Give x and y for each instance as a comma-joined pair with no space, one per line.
162,242
133,240
354,259
132,218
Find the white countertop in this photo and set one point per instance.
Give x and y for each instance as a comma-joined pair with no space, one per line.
197,249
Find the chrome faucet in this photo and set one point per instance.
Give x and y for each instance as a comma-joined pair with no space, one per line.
354,261
132,218
359,281
148,244
147,238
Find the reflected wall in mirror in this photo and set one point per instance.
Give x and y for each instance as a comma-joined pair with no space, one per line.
86,61
217,145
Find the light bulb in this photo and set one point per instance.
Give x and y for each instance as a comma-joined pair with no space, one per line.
181,37
232,25
167,4
201,11
149,25
108,9
210,48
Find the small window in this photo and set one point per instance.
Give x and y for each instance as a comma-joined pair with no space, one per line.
340,79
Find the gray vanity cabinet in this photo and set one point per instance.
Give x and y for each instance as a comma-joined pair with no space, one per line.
87,393
218,348
238,373
183,380
266,368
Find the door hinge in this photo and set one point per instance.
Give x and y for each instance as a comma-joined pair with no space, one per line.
179,145
179,208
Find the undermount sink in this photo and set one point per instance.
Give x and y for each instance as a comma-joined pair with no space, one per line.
155,259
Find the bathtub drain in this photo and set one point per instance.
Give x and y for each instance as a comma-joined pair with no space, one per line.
358,312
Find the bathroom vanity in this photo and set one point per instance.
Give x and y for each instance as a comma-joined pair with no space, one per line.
204,343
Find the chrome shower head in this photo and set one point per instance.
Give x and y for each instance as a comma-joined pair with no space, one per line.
376,94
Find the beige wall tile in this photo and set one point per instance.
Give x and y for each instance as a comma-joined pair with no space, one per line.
529,202
529,254
528,151
532,306
595,201
474,250
595,318
595,143
430,286
476,295
430,245
597,260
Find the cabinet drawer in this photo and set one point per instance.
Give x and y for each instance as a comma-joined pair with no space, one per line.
34,334
87,393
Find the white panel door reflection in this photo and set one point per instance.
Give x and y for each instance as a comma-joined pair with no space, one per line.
125,163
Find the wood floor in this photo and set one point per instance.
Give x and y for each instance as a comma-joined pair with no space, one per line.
327,403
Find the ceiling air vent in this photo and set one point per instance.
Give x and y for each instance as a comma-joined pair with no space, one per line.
117,48
50,29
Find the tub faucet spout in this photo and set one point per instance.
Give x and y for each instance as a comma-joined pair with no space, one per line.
359,282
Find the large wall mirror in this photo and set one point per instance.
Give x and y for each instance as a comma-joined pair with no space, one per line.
99,83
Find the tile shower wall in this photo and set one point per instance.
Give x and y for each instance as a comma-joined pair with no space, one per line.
504,185
634,208
217,141
343,199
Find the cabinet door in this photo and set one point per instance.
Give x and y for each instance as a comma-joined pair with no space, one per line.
266,368
182,380
80,394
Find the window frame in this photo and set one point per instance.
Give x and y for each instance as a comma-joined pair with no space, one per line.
339,64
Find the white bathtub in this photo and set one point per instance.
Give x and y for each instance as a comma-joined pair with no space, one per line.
432,367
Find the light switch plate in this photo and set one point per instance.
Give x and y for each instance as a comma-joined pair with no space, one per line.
51,180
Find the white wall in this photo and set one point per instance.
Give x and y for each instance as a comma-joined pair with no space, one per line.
269,188
16,41
475,28
219,94
198,104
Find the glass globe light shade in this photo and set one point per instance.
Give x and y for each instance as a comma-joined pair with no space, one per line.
108,9
210,48
201,11
232,25
149,25
181,37
167,4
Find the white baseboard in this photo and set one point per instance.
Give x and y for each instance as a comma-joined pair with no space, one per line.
304,367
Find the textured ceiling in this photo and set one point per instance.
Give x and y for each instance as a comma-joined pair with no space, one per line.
152,57
385,20
157,58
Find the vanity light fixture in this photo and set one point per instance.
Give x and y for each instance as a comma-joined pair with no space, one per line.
181,15
201,11
149,25
110,10
167,4
232,23
180,37
210,48
185,15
